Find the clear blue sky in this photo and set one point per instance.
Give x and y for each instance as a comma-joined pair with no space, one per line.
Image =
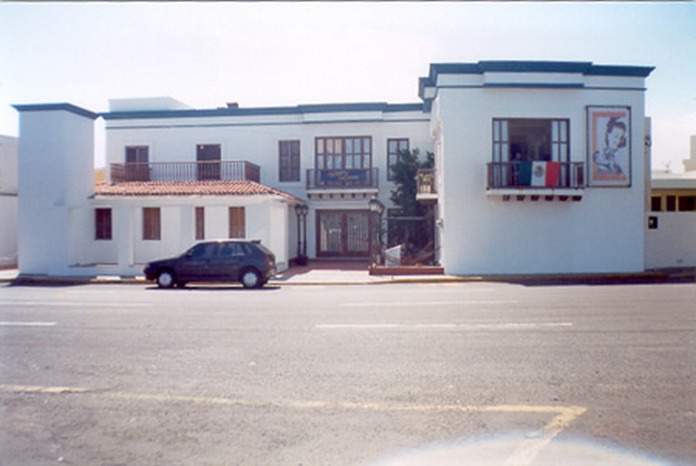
268,54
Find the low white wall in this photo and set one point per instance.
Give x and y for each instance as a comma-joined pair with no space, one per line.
8,230
673,242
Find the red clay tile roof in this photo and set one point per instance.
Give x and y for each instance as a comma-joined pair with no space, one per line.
189,188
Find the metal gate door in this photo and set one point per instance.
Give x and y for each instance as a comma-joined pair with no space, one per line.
343,233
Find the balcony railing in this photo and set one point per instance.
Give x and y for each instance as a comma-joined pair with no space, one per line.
536,175
349,178
185,171
425,181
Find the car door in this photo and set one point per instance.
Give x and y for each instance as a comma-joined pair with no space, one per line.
195,265
228,261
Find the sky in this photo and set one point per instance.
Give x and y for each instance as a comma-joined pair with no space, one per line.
275,54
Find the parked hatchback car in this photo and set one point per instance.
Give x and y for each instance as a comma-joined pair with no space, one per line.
248,262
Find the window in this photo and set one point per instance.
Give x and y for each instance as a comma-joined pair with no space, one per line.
530,140
289,161
237,222
656,203
102,224
687,203
343,153
394,148
200,223
671,203
151,223
137,163
208,157
534,153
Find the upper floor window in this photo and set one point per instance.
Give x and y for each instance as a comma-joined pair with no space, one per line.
289,161
394,148
137,163
530,140
533,153
343,153
208,157
102,224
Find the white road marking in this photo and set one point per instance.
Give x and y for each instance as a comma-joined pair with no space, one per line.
27,324
472,327
431,303
72,304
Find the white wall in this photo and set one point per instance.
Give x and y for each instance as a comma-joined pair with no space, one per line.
8,201
127,252
673,243
56,175
483,234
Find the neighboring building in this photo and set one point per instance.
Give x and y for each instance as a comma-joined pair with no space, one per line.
671,237
541,167
8,201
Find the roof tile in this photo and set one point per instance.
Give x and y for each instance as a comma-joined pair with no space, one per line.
190,188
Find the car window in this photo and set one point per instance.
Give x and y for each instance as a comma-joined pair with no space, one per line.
202,251
230,250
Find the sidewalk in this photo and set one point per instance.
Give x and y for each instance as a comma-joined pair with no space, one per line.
356,273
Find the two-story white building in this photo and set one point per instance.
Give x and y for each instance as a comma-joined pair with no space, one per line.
541,167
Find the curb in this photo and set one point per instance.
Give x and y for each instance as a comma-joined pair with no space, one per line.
681,276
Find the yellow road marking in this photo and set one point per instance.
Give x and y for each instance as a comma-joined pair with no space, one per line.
523,455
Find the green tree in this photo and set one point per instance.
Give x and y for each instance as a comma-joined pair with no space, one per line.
415,228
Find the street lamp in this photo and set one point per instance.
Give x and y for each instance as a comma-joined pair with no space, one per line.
301,212
377,209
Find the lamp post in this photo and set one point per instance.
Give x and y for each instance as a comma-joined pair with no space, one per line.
377,209
301,212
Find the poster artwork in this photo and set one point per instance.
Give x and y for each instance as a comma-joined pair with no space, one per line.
609,148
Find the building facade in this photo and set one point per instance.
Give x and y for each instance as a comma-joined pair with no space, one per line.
8,201
540,167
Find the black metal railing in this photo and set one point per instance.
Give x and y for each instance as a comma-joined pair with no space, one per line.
535,175
185,171
348,178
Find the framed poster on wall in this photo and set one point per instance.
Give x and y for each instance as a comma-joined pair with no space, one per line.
609,146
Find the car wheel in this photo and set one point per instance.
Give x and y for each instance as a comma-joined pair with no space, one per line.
251,278
166,279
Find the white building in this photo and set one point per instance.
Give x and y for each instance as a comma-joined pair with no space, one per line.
671,236
541,167
8,201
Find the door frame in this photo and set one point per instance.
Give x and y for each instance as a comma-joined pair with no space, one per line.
344,253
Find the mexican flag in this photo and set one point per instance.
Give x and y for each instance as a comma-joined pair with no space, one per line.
539,174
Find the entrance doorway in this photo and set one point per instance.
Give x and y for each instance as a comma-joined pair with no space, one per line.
343,233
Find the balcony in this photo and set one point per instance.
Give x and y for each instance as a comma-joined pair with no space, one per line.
185,171
343,179
547,179
426,188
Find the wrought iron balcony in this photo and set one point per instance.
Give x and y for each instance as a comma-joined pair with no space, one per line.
426,187
349,178
185,171
536,175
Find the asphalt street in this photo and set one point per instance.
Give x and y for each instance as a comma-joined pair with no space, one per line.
440,373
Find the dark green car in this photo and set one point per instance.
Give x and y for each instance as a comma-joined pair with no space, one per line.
247,262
